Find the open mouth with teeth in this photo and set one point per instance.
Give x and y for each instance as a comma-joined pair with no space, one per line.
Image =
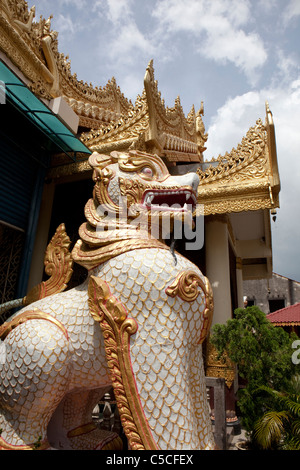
170,200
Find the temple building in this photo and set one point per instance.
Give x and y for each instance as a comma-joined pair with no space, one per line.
272,294
53,121
287,318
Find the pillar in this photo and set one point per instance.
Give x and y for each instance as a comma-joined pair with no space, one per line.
239,280
218,273
217,266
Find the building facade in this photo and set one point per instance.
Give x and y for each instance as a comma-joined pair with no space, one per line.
238,191
272,294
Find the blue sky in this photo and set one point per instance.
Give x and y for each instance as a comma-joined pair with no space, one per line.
231,54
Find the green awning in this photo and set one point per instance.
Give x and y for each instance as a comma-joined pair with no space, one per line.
14,90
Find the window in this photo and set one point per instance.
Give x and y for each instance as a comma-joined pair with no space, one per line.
276,304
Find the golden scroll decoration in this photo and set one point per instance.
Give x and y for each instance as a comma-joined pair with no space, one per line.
117,329
186,286
221,367
58,265
35,314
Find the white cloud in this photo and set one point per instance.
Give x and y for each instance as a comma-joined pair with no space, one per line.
57,5
267,5
118,9
79,4
227,129
123,38
188,15
217,28
246,51
65,24
232,121
291,11
131,85
235,117
287,66
114,10
129,41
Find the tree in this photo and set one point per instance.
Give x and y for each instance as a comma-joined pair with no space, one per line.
279,428
262,354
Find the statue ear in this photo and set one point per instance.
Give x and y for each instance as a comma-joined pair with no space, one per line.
99,163
97,160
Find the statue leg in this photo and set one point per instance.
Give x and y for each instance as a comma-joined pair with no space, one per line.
172,392
34,376
72,427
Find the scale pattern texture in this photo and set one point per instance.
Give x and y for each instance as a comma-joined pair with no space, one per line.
137,323
165,354
43,362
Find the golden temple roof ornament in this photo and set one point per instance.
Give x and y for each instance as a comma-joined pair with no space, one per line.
246,178
33,47
151,126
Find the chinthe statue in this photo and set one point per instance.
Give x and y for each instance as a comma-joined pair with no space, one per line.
137,323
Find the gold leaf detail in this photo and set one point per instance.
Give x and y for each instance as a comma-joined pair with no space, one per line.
117,329
186,286
58,265
219,367
7,327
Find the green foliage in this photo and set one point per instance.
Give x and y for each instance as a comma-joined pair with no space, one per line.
262,353
279,427
37,444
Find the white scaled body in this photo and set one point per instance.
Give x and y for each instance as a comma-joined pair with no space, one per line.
61,354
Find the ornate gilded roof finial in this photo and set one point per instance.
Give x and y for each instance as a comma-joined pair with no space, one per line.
201,110
28,25
200,129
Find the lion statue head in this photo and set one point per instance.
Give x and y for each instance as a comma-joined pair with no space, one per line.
135,203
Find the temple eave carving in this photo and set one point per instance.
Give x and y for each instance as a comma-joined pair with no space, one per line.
227,206
246,177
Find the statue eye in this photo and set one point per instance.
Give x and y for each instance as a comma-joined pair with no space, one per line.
147,171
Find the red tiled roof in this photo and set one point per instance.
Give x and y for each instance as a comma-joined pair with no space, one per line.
288,315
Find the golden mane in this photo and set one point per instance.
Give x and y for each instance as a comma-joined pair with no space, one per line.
107,231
